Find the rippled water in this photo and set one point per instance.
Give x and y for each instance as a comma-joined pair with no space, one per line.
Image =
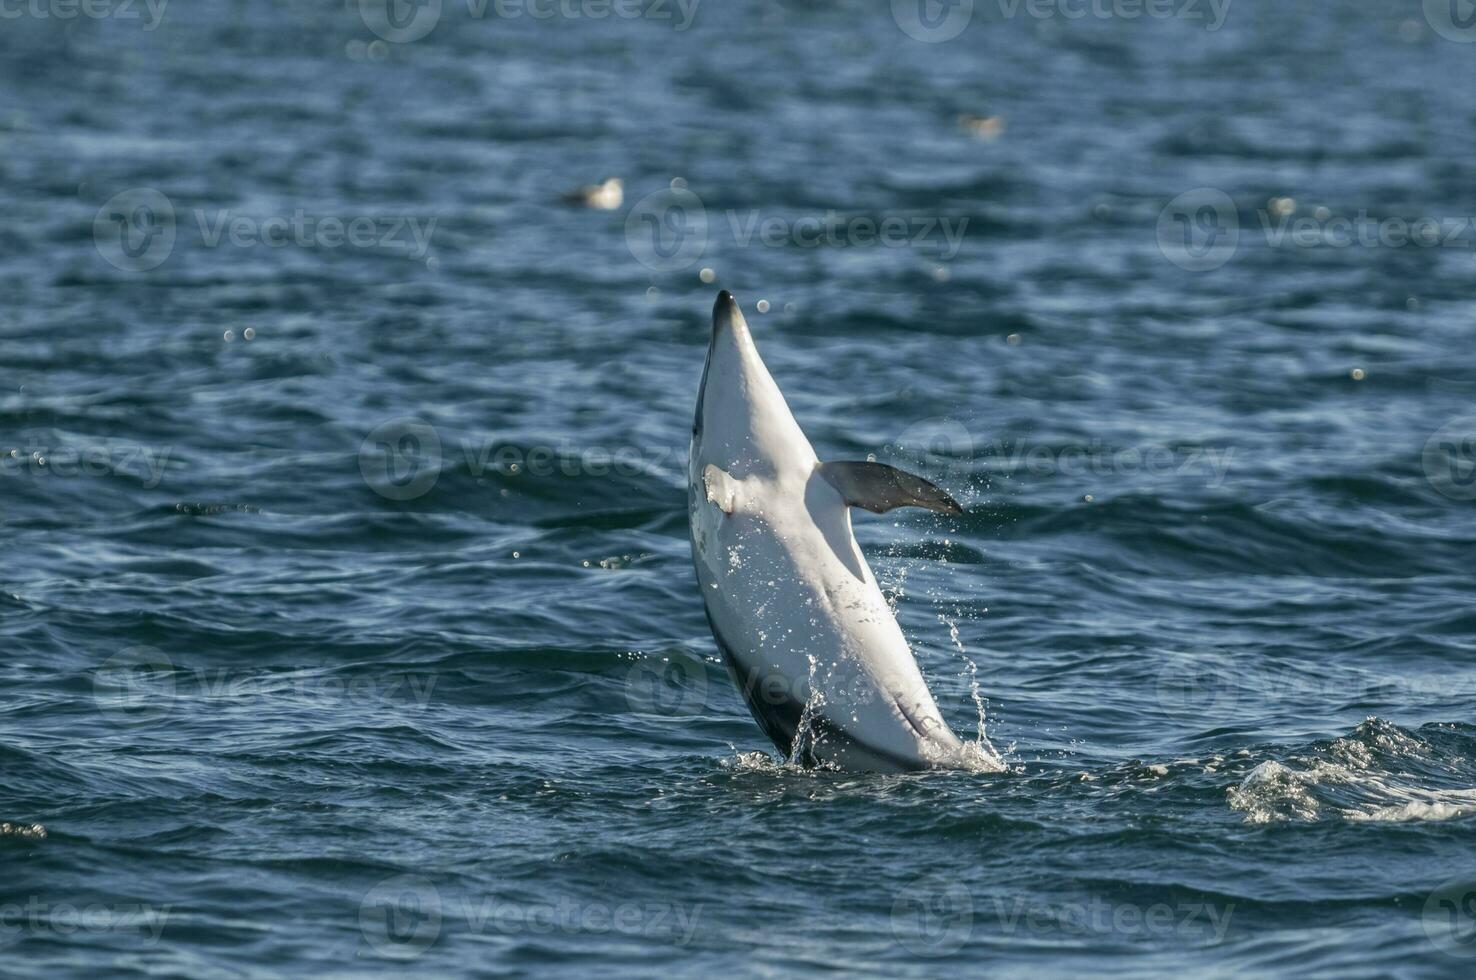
348,617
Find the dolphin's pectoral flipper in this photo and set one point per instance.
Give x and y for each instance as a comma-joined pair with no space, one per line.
722,489
878,488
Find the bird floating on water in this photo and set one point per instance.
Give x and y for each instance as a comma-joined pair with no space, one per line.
605,196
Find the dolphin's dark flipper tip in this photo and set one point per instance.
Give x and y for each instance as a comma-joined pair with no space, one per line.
879,488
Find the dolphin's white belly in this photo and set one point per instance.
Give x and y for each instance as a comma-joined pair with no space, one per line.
807,634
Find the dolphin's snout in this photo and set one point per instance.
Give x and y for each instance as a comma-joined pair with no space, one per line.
724,310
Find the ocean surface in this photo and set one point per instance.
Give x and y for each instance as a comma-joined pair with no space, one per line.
347,612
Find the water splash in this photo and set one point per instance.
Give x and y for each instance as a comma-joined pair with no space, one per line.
802,750
1379,772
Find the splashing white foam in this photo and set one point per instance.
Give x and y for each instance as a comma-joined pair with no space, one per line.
1368,775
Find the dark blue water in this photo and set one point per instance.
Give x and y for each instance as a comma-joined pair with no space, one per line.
347,613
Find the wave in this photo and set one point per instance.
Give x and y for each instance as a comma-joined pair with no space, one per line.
1379,772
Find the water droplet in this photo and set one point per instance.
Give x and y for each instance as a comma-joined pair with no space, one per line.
249,333
707,275
229,336
763,306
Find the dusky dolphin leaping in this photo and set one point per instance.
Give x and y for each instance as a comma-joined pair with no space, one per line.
802,626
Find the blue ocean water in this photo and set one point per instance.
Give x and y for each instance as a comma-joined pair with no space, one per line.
347,611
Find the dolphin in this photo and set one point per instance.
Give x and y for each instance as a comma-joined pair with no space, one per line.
802,626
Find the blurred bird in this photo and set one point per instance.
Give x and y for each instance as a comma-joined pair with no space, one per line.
602,197
984,127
